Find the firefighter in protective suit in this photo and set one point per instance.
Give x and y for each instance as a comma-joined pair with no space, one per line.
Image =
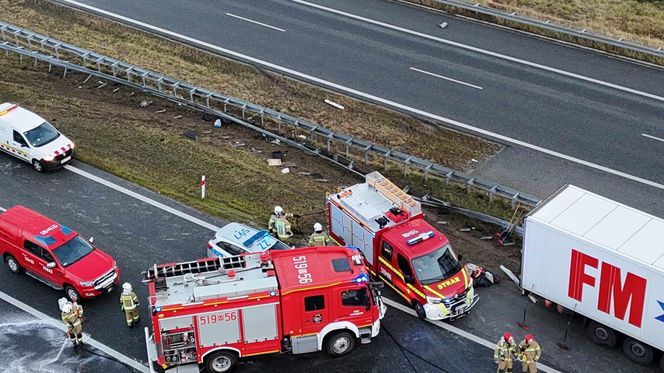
504,353
530,353
72,314
129,304
319,238
279,224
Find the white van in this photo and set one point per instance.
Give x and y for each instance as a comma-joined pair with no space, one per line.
27,136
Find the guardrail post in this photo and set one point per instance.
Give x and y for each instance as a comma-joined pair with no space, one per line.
385,160
514,200
469,185
405,166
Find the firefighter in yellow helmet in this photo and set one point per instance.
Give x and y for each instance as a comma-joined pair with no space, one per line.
319,238
279,224
530,353
129,304
72,316
504,353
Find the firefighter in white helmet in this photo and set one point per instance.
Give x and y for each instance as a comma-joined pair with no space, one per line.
319,238
72,316
129,304
279,224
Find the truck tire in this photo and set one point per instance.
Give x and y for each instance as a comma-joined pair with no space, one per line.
37,165
220,362
601,334
339,344
419,310
12,263
661,363
637,351
72,294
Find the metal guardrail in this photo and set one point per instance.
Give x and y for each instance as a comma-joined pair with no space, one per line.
547,25
72,58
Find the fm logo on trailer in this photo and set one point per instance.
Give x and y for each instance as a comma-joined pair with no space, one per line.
612,290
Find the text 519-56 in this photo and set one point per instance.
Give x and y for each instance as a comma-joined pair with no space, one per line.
217,317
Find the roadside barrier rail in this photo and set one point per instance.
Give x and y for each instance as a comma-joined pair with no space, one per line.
72,58
549,26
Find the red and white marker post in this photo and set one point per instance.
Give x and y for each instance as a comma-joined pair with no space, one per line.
203,187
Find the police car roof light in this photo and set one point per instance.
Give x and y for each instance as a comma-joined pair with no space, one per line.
257,236
361,278
420,238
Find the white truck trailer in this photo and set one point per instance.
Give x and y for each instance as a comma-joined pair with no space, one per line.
603,260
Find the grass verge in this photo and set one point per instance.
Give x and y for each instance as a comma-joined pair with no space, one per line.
637,21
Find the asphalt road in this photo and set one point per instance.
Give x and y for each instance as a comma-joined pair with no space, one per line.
138,234
602,121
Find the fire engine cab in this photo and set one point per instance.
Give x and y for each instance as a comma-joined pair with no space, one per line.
214,311
401,248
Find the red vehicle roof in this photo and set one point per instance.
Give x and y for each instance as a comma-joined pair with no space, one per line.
314,267
401,233
38,227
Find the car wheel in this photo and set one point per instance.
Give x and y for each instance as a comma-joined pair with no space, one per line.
340,344
637,351
37,165
602,335
72,294
13,265
419,310
220,362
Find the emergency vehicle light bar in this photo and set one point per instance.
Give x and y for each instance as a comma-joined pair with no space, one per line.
420,238
256,237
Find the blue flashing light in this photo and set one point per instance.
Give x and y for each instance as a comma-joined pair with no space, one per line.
420,238
66,231
353,247
258,236
46,240
273,293
362,278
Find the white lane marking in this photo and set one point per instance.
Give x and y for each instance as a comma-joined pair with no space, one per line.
59,325
142,198
652,137
446,78
482,51
459,332
256,22
368,96
3,209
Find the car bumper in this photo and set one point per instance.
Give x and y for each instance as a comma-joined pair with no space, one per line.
103,288
441,312
56,164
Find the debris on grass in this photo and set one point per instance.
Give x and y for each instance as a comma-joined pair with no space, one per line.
274,162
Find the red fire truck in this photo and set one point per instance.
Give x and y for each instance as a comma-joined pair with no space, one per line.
214,311
399,246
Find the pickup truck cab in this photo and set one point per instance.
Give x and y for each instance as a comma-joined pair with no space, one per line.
55,255
28,137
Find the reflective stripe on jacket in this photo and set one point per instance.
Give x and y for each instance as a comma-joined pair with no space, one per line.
319,239
504,351
530,352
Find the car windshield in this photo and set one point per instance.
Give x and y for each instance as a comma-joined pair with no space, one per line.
279,246
436,265
73,251
41,135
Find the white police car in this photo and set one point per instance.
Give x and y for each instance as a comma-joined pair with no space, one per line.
29,137
235,239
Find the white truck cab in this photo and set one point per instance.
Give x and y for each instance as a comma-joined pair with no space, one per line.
29,137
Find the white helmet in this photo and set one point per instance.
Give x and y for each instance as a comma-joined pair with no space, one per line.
62,302
278,210
126,287
67,307
318,227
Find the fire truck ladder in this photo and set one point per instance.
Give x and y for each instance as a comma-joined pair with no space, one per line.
157,273
391,191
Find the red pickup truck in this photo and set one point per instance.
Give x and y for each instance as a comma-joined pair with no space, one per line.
55,255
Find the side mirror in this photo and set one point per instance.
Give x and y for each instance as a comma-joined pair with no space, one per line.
408,279
25,146
91,239
50,265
